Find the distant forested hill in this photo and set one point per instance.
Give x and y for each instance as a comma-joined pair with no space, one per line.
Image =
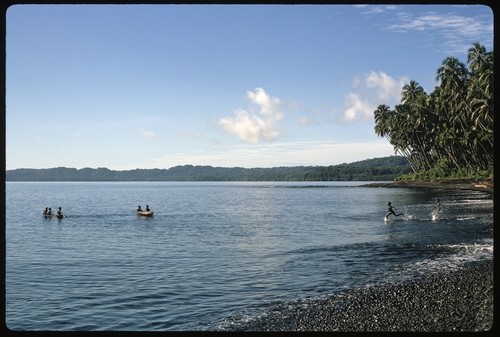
377,169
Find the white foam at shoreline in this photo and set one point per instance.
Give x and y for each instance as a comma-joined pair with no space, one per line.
464,253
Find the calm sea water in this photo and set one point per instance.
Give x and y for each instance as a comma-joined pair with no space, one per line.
216,255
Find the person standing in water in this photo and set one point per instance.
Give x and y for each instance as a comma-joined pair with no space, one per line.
437,207
437,210
391,210
59,213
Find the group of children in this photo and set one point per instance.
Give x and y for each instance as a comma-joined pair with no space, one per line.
47,212
139,209
392,209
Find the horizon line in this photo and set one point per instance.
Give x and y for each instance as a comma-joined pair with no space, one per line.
198,165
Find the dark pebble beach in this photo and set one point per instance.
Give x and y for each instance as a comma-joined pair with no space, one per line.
461,300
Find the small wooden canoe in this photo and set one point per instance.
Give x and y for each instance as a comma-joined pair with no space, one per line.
145,213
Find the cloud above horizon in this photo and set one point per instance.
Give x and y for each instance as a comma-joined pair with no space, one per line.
328,152
459,32
374,89
147,134
256,125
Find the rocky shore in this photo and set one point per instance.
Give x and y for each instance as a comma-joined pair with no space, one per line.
446,302
467,184
452,301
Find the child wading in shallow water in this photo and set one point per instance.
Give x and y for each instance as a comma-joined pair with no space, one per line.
391,210
437,210
437,207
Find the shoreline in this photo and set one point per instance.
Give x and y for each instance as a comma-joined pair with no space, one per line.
460,300
463,184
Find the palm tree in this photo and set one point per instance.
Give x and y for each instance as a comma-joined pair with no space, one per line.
419,120
453,126
477,57
480,97
382,115
387,124
411,92
453,75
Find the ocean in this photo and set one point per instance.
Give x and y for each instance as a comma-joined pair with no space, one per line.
217,255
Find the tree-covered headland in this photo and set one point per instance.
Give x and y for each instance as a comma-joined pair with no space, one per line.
376,169
449,132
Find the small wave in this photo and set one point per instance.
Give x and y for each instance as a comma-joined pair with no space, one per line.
464,218
453,257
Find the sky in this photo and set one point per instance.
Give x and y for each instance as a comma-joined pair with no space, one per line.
156,86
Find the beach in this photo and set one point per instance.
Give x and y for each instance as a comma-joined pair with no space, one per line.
454,301
465,184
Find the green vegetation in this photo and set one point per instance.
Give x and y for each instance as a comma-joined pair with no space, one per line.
387,168
448,133
377,169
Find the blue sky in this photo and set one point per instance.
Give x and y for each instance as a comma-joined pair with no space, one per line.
155,86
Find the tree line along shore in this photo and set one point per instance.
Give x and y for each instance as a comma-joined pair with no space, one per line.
376,169
445,136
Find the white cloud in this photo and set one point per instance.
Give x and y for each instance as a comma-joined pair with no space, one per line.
304,153
304,121
252,127
370,9
458,32
148,134
465,26
190,134
376,88
357,108
451,33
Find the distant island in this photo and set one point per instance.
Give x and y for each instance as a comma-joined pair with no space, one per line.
376,169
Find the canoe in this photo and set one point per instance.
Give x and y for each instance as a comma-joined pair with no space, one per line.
145,213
